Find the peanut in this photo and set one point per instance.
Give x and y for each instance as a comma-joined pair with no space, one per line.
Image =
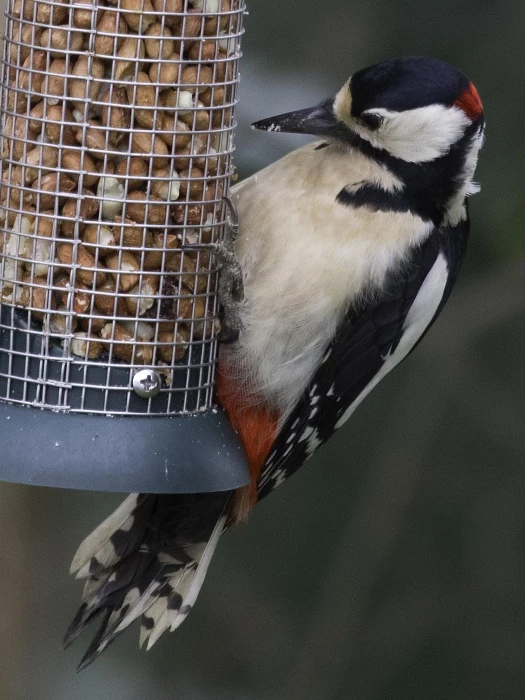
115,113
15,132
52,185
31,79
189,215
110,25
24,38
195,186
143,96
144,209
92,325
194,281
108,302
55,126
167,188
61,324
39,159
224,68
150,146
162,252
81,300
129,59
55,82
197,120
86,346
129,234
132,171
57,40
23,9
141,330
100,236
172,346
36,119
76,211
144,295
35,297
86,84
212,97
84,264
84,17
169,8
51,14
193,77
167,72
173,130
183,305
81,165
202,51
124,347
92,137
137,14
168,99
111,192
191,25
159,44
123,267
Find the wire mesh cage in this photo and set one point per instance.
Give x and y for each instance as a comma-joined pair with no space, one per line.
117,123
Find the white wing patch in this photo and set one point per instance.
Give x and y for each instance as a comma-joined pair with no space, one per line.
418,318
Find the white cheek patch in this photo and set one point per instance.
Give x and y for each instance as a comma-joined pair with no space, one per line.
417,135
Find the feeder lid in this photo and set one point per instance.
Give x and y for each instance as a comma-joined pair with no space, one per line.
179,454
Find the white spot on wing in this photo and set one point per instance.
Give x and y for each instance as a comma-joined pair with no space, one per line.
306,433
278,477
313,443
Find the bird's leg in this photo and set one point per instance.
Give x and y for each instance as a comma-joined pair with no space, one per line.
231,288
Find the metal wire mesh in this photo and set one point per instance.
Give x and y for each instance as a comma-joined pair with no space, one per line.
117,124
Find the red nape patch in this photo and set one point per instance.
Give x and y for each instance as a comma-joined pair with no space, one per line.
470,102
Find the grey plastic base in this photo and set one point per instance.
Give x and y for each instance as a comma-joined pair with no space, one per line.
187,454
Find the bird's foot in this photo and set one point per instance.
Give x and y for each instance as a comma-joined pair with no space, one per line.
231,287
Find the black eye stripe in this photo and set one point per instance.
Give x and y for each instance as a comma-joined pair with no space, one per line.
372,121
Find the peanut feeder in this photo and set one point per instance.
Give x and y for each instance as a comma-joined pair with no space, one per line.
117,120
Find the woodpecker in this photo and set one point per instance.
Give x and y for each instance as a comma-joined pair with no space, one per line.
349,248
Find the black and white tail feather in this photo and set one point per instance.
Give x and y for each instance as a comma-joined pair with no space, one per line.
148,559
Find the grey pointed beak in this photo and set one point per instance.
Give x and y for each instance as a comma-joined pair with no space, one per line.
317,121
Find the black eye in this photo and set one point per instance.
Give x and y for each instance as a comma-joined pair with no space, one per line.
372,121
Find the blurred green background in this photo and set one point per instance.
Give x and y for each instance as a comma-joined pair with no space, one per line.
393,565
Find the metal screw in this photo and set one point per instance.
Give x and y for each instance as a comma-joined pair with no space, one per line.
147,383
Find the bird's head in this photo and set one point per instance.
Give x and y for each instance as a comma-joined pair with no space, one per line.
411,109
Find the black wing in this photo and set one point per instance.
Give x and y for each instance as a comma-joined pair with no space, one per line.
356,355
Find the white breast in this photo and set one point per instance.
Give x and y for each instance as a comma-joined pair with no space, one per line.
305,259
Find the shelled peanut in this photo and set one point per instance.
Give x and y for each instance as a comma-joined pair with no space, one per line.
115,150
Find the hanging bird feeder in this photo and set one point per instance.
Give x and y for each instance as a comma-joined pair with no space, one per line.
117,124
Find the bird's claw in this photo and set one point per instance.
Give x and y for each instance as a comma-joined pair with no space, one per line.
231,287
